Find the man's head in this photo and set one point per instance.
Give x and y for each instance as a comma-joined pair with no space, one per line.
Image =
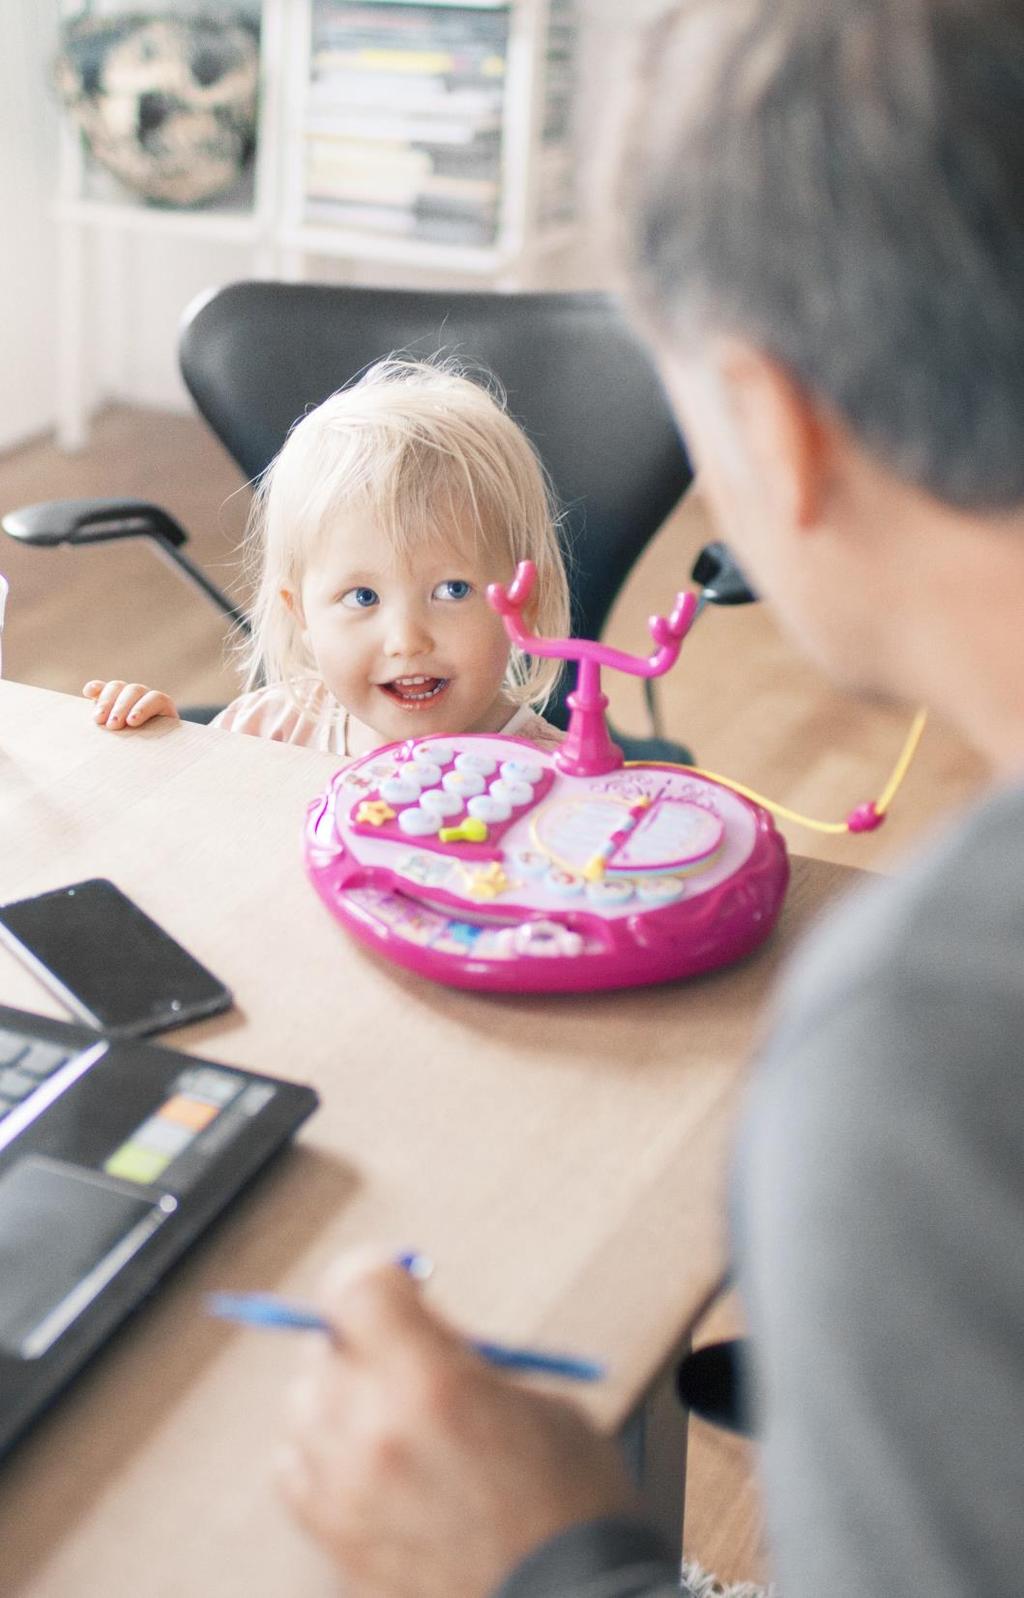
826,205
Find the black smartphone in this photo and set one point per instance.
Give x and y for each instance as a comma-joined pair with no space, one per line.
108,961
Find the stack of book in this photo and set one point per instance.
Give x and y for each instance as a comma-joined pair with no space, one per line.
404,118
557,187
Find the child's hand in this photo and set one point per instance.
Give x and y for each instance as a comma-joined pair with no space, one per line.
127,704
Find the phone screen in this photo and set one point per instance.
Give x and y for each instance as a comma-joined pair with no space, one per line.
109,962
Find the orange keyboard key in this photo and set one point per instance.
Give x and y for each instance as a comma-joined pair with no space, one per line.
188,1112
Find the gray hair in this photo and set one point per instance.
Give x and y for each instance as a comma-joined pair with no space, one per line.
841,182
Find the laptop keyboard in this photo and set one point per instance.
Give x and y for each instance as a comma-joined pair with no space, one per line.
25,1063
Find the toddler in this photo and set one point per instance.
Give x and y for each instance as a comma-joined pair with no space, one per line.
372,539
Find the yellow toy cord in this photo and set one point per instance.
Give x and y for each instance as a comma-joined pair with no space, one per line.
873,814
902,765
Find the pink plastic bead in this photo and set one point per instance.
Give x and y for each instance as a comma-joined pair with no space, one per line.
865,818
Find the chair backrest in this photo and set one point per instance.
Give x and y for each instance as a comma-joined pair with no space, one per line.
257,355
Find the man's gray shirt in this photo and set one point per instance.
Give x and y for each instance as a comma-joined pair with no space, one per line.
880,1242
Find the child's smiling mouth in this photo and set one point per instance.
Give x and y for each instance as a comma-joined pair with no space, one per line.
415,693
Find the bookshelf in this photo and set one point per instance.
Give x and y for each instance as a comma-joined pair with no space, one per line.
422,140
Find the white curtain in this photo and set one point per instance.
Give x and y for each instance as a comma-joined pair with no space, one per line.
28,178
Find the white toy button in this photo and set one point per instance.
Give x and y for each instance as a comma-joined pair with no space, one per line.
469,760
610,891
522,771
510,791
418,823
543,939
530,861
563,883
400,790
465,783
425,772
660,890
440,803
486,808
437,754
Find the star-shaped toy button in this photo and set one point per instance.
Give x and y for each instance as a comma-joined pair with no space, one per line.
375,812
488,882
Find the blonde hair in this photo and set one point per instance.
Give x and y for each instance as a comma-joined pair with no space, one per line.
421,447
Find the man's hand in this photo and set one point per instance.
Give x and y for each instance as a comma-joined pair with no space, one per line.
422,1471
127,704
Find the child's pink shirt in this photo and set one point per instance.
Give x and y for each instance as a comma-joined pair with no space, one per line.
272,713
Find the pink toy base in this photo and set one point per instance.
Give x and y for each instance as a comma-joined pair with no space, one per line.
533,921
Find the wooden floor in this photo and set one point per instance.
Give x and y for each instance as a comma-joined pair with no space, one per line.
740,697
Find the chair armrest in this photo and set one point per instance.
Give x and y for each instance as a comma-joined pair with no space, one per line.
720,578
97,521
91,521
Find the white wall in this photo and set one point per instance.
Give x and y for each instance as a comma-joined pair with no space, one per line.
142,285
28,146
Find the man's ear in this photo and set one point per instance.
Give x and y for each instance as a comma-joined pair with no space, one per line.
293,604
786,435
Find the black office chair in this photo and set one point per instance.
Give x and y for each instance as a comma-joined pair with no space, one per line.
257,355
714,1383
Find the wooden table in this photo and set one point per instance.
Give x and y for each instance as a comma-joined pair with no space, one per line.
562,1159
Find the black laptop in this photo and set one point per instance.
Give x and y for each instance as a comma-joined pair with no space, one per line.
114,1157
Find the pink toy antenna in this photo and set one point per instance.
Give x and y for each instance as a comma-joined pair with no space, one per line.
588,750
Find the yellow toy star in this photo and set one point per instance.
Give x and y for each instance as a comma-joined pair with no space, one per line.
375,812
488,882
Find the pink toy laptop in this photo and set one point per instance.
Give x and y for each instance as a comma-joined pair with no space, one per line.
484,862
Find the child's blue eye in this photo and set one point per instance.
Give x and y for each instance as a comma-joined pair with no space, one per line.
360,598
453,588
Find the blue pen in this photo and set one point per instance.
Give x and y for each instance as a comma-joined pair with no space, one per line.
268,1309
269,1312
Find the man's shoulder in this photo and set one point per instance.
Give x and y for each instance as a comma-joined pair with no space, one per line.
898,1026
952,920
